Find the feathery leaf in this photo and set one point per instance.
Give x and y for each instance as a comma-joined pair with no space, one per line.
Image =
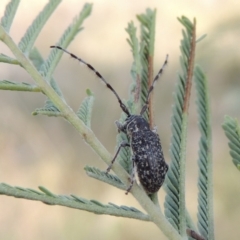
135,88
205,178
104,177
72,201
36,58
14,86
69,34
9,14
49,108
232,131
50,112
124,156
148,22
33,31
85,110
6,59
148,28
175,180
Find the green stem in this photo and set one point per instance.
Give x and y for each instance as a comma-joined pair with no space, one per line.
155,214
9,60
14,86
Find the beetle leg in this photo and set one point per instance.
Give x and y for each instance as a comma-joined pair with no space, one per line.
133,174
123,144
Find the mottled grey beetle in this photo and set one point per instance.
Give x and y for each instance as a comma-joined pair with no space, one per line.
145,144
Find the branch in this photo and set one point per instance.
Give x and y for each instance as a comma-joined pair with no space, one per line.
9,60
14,86
73,202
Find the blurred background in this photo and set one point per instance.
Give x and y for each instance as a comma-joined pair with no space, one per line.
41,151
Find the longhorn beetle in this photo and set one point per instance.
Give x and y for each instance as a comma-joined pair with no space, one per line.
145,144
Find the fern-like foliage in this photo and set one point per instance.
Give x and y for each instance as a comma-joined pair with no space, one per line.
6,59
68,35
136,70
47,67
85,110
148,22
142,72
104,177
14,86
148,29
9,14
232,130
49,108
205,178
36,58
33,31
124,156
175,179
72,201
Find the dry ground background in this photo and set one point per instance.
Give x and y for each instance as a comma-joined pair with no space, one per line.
47,151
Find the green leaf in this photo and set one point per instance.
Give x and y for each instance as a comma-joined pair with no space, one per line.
148,21
133,42
14,86
33,31
85,110
135,88
9,14
201,38
6,59
142,68
36,58
205,178
72,201
69,34
50,112
232,131
104,177
49,108
47,192
175,209
124,156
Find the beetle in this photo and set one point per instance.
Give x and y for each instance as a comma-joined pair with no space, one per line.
147,154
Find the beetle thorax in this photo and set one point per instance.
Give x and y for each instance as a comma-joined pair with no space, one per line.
136,123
